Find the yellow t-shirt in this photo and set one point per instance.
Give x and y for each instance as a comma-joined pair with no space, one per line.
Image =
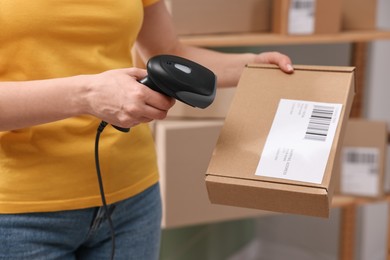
51,167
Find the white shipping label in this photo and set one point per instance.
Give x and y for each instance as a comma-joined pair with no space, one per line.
360,171
301,17
299,142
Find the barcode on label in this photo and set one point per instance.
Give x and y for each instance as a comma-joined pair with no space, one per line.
363,159
319,123
358,157
303,4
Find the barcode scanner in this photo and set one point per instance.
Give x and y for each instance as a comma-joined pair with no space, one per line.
182,79
173,76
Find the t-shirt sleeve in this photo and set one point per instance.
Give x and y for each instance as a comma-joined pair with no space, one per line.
149,2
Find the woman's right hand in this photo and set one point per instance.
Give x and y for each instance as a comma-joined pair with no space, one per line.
114,96
117,97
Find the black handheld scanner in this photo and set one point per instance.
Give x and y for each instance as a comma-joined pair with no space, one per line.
182,79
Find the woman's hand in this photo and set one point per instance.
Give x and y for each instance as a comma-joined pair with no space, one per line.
283,61
118,98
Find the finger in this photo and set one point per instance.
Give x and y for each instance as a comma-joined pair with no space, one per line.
151,113
141,113
159,101
135,72
283,61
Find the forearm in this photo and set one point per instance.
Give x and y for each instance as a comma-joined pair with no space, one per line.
227,67
28,103
162,39
114,96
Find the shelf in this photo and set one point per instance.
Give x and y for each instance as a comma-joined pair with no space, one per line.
256,39
340,201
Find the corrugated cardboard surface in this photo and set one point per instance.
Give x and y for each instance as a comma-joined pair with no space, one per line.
370,134
327,16
220,16
359,14
231,175
184,148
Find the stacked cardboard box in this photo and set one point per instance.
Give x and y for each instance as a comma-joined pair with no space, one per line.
220,16
306,16
359,14
362,162
184,148
279,16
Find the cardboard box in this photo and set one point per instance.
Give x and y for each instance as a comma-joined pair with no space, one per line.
184,148
231,177
220,16
359,14
362,163
218,109
306,16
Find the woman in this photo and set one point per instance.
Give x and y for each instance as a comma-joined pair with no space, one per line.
64,66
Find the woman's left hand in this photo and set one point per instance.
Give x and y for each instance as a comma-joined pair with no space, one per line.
277,58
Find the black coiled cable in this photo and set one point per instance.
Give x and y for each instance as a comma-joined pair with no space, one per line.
101,188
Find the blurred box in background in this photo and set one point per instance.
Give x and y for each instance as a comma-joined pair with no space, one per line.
306,16
220,16
362,163
359,14
218,109
184,148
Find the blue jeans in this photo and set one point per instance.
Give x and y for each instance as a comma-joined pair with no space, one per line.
85,233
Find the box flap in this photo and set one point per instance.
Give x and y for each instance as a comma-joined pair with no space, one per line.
275,181
347,69
257,195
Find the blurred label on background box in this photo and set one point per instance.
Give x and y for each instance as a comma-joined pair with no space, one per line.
301,17
360,171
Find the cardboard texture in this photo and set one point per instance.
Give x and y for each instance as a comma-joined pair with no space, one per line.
359,14
230,177
220,16
361,134
184,148
327,17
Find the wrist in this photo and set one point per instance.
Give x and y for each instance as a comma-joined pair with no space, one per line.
80,97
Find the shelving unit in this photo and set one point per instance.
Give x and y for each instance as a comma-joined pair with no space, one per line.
359,41
258,39
349,206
